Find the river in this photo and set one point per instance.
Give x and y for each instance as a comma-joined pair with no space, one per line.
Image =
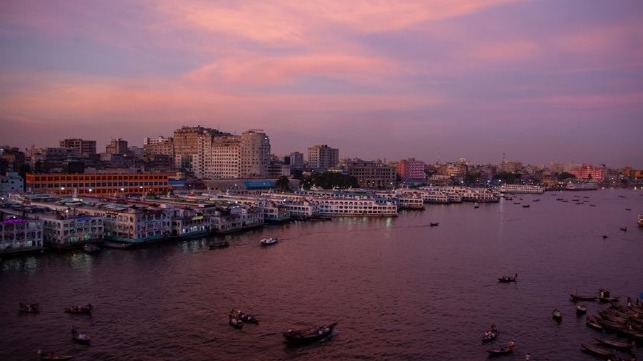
398,288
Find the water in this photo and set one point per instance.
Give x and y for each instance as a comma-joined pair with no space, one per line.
400,289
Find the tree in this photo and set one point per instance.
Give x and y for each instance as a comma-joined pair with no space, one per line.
328,180
283,184
565,175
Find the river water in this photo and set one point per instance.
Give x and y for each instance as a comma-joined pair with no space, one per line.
398,288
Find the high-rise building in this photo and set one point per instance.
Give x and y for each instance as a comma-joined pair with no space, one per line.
192,148
86,148
255,153
226,158
322,157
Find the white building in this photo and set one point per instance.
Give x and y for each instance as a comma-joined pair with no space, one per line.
18,234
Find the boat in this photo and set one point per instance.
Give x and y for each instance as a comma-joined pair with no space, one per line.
29,307
269,241
505,350
219,244
117,245
246,318
581,310
640,221
87,309
605,296
595,350
234,320
434,224
576,297
50,356
91,248
80,337
490,335
616,344
304,336
591,322
521,189
581,186
507,279
525,206
557,315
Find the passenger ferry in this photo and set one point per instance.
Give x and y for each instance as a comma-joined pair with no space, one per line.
582,186
356,207
521,189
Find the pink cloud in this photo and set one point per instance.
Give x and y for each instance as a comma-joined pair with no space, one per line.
509,51
265,70
590,101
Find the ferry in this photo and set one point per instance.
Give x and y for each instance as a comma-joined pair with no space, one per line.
582,186
522,189
356,207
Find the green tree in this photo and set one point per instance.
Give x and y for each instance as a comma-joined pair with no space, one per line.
283,184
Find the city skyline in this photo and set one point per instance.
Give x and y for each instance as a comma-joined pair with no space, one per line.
534,81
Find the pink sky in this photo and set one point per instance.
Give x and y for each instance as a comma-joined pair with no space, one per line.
538,81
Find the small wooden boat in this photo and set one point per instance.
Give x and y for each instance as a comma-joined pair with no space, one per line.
269,241
234,320
557,315
592,323
508,279
595,350
490,335
29,307
219,244
91,248
50,356
605,296
80,337
576,297
87,309
581,310
525,206
246,318
434,224
304,336
505,350
615,343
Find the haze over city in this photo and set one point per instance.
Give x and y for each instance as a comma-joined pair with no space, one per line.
538,81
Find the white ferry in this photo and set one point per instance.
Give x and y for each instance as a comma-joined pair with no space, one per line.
355,207
582,186
521,189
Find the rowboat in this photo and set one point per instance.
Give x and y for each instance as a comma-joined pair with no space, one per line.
304,336
595,350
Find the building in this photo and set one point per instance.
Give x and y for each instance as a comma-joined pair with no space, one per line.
117,146
10,183
110,184
226,158
193,148
371,174
11,160
255,154
586,171
85,148
411,171
159,146
322,157
19,234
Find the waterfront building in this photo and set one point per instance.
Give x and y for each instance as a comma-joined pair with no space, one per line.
411,171
19,234
371,174
99,184
586,171
85,148
68,229
322,157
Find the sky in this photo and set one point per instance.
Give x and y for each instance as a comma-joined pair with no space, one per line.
536,81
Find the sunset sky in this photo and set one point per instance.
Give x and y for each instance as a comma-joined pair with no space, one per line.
535,80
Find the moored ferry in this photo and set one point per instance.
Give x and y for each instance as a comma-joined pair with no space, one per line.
582,186
522,189
356,207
